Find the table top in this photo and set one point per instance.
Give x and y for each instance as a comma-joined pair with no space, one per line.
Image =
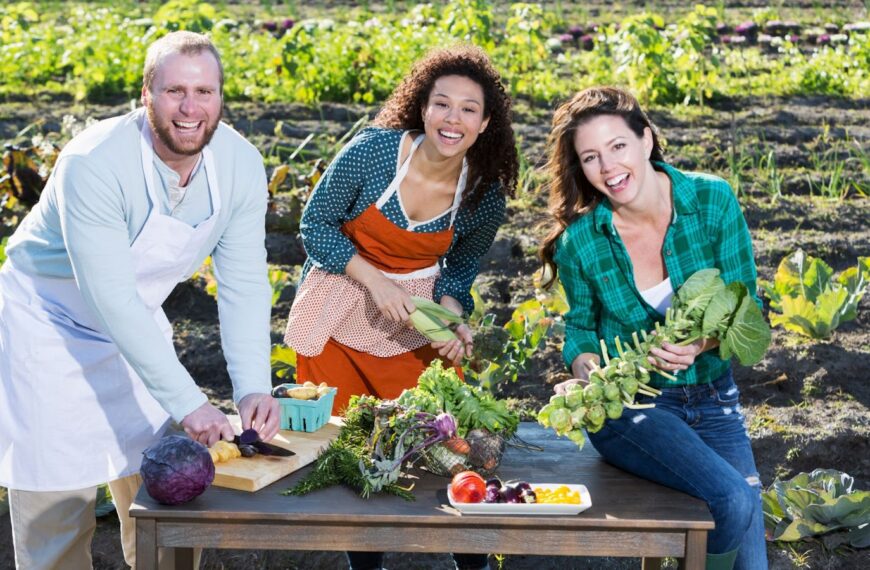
619,500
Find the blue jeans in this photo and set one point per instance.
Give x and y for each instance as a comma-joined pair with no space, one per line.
694,440
374,560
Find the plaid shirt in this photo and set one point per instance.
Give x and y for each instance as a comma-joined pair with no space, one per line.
707,230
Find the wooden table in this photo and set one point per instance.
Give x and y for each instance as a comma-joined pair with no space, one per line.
628,517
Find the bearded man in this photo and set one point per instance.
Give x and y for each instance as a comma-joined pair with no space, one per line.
88,374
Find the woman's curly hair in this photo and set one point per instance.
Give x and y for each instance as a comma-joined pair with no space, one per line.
493,156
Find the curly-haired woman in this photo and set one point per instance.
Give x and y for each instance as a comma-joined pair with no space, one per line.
628,230
408,207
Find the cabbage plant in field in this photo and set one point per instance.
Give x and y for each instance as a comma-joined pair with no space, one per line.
816,503
806,298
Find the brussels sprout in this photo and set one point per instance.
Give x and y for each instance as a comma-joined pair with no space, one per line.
574,399
611,373
578,415
557,400
560,420
596,415
611,392
592,393
544,414
629,385
578,437
613,410
642,375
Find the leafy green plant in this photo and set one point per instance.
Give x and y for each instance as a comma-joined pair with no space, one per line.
806,298
206,274
772,177
4,501
811,504
3,250
696,59
278,279
505,351
283,361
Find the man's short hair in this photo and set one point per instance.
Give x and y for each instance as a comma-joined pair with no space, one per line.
182,42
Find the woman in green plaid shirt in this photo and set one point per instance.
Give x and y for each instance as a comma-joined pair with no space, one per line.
629,229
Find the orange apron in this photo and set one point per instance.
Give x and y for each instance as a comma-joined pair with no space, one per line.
346,359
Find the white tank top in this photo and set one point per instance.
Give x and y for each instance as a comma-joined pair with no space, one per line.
659,296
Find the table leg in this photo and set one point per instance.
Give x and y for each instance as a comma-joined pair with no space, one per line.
183,558
651,564
696,550
146,544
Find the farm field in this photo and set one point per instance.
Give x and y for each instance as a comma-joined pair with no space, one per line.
797,157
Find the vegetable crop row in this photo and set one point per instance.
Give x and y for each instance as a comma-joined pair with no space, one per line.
97,53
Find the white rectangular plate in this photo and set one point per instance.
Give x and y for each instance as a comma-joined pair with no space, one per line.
526,508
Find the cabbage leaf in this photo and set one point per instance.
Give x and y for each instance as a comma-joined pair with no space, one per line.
806,298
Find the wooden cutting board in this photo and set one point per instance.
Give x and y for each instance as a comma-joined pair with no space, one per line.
254,473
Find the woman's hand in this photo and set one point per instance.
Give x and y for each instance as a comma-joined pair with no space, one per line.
392,299
454,350
580,368
673,357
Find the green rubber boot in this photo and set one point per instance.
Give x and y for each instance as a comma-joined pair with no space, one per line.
724,561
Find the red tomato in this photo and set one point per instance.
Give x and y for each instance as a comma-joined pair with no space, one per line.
468,487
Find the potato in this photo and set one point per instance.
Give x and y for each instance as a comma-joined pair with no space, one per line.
303,393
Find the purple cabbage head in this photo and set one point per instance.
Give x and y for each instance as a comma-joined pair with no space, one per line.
176,469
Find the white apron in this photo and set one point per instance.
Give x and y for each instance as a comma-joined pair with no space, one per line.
73,413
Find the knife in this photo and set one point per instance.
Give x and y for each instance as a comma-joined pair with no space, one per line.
264,448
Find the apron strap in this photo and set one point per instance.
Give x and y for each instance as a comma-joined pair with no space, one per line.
403,171
400,174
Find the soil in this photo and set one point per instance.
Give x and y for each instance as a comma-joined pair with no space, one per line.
807,404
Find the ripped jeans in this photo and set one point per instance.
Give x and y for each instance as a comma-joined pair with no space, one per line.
694,440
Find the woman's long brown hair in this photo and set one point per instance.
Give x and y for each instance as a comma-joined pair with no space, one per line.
571,194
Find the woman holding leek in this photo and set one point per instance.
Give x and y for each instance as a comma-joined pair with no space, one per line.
628,230
406,209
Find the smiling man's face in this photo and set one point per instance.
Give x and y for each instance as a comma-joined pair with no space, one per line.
184,104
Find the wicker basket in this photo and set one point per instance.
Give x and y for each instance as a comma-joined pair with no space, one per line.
485,456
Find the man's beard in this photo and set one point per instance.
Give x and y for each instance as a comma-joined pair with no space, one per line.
164,133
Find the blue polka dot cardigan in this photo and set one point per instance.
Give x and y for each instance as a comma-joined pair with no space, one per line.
357,177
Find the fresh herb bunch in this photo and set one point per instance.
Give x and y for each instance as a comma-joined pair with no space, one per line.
339,463
378,438
704,307
440,389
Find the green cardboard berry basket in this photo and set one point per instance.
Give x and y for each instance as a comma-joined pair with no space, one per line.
305,415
